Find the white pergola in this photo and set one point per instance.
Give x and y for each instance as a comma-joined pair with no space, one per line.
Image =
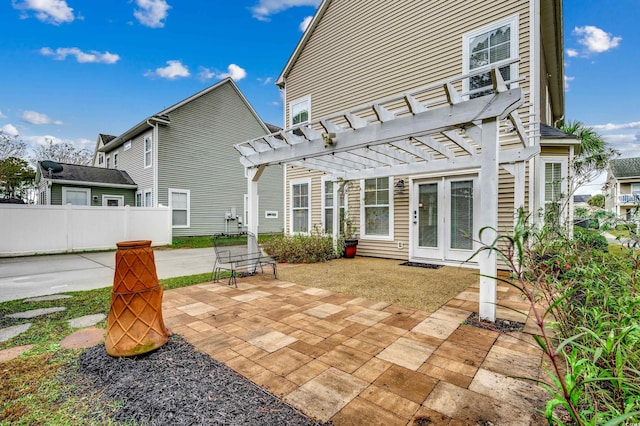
431,129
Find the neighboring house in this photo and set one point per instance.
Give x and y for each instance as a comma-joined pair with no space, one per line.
61,183
581,200
435,119
183,157
623,187
98,156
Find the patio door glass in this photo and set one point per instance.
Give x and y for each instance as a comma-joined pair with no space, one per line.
443,213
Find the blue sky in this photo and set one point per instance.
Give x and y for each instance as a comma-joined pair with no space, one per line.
73,69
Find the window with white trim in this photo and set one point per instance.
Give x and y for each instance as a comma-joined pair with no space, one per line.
138,198
76,196
377,208
554,187
300,202
100,158
327,207
148,198
148,149
179,203
112,200
115,160
300,111
486,46
108,164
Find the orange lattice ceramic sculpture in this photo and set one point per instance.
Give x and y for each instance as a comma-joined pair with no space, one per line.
134,324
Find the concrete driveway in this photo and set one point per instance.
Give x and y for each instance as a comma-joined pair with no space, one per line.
22,277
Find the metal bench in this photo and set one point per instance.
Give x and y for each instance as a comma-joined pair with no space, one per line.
243,259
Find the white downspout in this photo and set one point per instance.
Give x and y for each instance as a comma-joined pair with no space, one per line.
154,167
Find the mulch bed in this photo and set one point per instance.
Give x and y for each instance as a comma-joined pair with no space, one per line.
177,385
501,325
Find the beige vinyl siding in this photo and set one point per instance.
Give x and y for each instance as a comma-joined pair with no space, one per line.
196,153
132,161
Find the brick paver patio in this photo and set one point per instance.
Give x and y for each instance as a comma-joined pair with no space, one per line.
358,362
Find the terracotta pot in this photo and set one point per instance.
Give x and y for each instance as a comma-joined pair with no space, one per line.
134,324
350,248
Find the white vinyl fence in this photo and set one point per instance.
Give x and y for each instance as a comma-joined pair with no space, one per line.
27,229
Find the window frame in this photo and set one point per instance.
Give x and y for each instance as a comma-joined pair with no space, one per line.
100,158
139,199
172,191
564,176
293,183
106,197
325,179
305,99
116,156
513,22
66,189
107,161
144,197
147,151
363,220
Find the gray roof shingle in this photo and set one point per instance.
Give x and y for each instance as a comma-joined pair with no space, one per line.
548,132
75,172
625,167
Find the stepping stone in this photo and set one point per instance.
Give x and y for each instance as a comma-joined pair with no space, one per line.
13,353
47,298
36,312
85,338
86,321
11,332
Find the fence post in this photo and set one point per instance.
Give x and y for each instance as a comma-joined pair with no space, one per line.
68,222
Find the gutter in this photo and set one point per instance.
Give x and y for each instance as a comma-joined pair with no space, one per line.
135,130
86,183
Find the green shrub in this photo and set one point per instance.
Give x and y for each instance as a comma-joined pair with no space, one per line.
301,248
590,239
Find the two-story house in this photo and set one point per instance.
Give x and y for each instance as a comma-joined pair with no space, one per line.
183,157
623,187
423,123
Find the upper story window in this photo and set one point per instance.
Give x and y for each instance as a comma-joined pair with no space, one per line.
486,46
108,165
300,111
378,208
100,158
115,160
148,147
148,198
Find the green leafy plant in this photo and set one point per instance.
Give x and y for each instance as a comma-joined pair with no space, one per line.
316,247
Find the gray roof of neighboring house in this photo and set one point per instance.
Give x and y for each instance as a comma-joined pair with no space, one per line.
582,198
625,167
106,138
548,132
272,127
88,174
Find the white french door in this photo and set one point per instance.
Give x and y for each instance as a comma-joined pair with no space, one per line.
443,218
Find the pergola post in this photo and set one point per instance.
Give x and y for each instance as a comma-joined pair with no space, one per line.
253,175
489,208
336,215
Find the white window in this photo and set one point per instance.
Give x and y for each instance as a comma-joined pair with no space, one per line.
300,201
179,203
115,160
327,207
76,196
112,200
300,111
554,187
108,162
377,209
148,147
635,188
127,145
486,46
138,198
100,158
148,198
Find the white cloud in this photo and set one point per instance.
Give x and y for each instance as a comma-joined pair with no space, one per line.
152,12
173,70
205,74
53,12
33,117
611,126
567,80
9,129
572,53
92,56
2,115
596,40
265,81
305,23
235,72
265,8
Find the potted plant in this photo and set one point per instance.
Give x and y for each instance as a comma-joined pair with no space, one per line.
349,237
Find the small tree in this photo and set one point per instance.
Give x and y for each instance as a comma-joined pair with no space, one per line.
63,152
15,177
596,201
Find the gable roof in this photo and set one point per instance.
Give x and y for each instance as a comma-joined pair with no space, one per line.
87,175
548,132
163,118
625,167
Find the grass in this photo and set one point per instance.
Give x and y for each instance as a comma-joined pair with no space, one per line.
205,241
